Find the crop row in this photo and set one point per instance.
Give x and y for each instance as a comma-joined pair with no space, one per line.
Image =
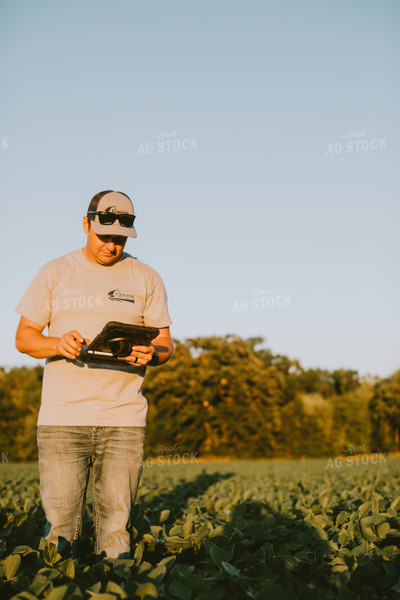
253,529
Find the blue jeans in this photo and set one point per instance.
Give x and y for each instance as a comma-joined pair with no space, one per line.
65,457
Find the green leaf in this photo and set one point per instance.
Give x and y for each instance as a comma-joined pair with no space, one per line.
290,563
158,573
145,567
376,498
233,571
361,549
27,504
20,518
394,507
330,546
342,578
155,531
179,590
57,593
383,529
182,570
324,500
168,561
49,573
268,550
39,584
116,589
175,530
43,543
67,568
390,551
138,555
201,534
11,565
24,550
368,529
187,527
146,591
320,534
248,542
364,509
123,571
341,518
50,554
164,515
219,555
95,588
343,537
377,519
135,532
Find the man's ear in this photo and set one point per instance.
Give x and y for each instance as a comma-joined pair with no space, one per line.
85,224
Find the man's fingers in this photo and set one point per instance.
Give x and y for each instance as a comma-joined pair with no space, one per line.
76,336
70,344
141,349
139,356
70,350
73,346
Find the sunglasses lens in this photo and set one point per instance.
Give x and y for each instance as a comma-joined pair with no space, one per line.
107,218
126,220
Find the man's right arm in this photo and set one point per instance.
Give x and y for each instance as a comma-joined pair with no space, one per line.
30,340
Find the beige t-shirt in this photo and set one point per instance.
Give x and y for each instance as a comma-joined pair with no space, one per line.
71,292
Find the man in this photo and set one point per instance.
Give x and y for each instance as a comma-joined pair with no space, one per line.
93,415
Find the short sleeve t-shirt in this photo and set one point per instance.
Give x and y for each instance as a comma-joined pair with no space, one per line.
72,292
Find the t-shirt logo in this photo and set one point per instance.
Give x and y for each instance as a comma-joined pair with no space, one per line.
121,296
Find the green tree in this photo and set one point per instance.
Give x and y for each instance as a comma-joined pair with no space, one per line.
216,396
385,414
20,392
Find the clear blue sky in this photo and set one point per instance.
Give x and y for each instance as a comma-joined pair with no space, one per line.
276,181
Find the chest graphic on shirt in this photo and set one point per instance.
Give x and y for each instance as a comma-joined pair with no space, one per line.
120,296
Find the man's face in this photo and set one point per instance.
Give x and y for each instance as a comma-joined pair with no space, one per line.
102,249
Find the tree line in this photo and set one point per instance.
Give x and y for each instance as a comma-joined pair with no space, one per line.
227,396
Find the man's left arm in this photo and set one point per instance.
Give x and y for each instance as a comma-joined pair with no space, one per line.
156,354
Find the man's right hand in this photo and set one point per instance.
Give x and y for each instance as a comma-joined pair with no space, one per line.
70,344
30,340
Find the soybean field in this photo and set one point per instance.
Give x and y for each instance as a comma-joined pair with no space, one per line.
279,530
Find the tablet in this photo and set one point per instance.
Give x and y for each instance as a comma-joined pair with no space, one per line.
117,340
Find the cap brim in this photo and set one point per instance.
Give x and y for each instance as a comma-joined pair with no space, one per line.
114,229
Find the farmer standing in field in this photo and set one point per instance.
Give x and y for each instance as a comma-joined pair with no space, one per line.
93,415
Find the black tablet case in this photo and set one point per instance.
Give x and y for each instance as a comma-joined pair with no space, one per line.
117,339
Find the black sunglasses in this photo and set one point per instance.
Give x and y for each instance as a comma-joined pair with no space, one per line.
108,218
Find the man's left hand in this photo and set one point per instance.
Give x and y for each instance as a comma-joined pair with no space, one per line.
140,355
